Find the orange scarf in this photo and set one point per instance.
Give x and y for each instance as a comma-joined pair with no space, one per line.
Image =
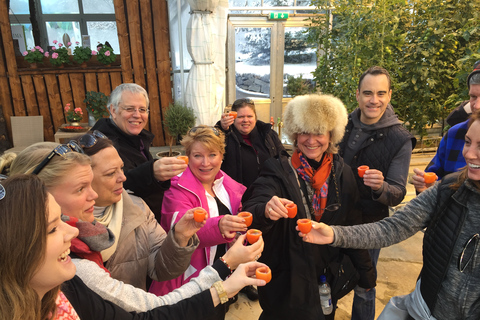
317,179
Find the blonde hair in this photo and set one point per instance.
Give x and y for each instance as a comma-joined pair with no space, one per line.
23,235
6,161
58,168
205,135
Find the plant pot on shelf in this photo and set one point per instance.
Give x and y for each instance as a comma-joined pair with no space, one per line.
164,154
33,65
75,124
91,119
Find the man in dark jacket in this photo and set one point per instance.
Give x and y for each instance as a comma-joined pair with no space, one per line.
375,137
146,177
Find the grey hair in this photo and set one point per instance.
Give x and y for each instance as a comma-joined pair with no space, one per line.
474,79
116,95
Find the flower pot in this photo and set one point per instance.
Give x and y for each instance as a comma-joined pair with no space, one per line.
83,65
91,119
75,124
164,154
33,65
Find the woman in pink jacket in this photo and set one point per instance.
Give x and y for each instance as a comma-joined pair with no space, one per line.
204,185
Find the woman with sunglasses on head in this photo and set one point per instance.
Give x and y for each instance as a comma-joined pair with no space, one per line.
38,277
448,284
204,185
137,221
249,142
68,175
323,188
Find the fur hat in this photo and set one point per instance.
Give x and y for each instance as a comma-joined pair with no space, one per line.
317,114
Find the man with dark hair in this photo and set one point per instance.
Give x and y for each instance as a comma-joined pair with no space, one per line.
375,137
449,156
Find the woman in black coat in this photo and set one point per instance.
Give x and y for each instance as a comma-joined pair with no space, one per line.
323,187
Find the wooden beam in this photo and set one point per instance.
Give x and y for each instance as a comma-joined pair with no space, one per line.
44,107
136,42
123,40
30,95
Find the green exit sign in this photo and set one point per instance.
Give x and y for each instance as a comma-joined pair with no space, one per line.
278,15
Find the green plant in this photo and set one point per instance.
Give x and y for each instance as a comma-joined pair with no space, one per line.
35,55
96,104
82,54
105,55
59,55
299,86
178,120
73,114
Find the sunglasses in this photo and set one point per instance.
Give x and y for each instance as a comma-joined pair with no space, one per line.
60,150
239,102
195,129
90,139
468,252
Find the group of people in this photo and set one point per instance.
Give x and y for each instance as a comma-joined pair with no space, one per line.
97,222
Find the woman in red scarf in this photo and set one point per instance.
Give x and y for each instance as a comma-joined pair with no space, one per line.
323,187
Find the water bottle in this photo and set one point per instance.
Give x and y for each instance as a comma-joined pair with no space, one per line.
325,296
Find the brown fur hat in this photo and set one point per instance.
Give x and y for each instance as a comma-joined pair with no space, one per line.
317,114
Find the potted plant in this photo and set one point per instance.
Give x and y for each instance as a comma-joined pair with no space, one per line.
60,55
82,54
96,105
178,120
73,115
34,56
105,55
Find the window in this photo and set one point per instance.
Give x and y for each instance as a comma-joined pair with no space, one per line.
74,18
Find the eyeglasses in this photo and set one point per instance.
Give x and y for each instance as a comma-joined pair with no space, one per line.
215,130
60,150
90,139
468,252
239,102
132,110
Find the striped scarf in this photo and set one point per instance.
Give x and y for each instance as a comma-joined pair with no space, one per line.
317,179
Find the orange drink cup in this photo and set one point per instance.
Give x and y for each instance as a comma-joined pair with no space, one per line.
247,216
430,177
184,158
199,215
304,225
253,235
233,114
292,210
264,273
361,170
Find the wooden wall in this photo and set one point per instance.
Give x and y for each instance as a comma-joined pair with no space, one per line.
143,34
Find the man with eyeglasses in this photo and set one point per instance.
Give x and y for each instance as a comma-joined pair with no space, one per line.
146,177
375,137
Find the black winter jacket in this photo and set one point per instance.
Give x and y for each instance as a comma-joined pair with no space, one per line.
137,168
297,265
91,306
241,161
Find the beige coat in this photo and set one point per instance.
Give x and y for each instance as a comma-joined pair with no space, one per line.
145,249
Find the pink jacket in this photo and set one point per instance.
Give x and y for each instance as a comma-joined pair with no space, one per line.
187,192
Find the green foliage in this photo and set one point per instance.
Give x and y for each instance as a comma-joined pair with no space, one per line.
297,86
82,54
178,120
96,104
35,55
59,57
428,46
105,55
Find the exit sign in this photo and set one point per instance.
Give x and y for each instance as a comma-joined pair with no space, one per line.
278,15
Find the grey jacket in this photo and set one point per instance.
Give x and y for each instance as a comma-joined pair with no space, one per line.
144,248
458,297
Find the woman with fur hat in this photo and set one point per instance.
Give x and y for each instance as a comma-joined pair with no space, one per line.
323,187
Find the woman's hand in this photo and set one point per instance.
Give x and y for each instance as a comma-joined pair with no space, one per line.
275,208
419,182
186,227
242,277
230,224
226,121
168,167
240,253
320,234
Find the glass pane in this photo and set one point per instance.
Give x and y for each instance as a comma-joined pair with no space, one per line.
19,7
300,62
278,3
56,31
24,35
179,50
59,6
101,31
98,6
252,62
